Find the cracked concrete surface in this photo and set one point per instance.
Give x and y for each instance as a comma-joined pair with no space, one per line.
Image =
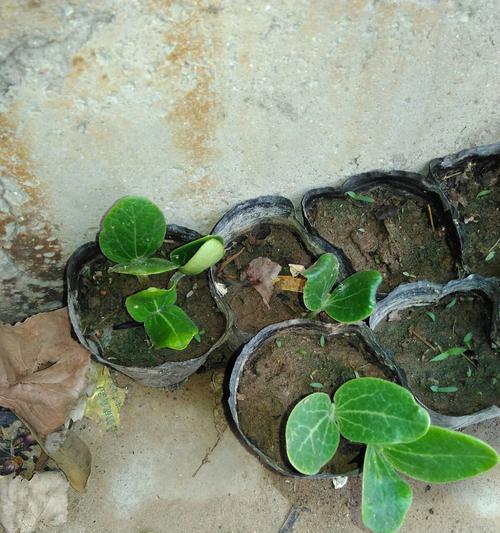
200,104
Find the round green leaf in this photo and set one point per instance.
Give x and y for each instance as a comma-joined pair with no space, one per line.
133,228
196,256
320,279
386,498
375,411
355,298
441,456
312,436
145,267
167,325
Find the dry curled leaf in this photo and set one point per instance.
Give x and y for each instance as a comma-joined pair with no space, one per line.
261,273
43,371
296,270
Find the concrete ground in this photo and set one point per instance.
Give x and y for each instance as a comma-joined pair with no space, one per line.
176,467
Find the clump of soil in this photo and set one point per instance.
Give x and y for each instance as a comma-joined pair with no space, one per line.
415,338
102,297
393,235
475,192
281,373
279,244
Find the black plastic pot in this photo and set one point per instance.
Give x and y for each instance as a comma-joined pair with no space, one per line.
169,374
249,353
275,210
423,293
403,184
446,171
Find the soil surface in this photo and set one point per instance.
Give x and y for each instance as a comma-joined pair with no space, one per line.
281,374
279,244
476,374
102,305
481,216
393,235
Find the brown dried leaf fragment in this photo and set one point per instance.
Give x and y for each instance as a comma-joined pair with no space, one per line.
261,273
43,371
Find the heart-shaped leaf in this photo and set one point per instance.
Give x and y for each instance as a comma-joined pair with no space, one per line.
320,280
133,228
166,324
441,456
386,498
355,298
196,256
375,411
145,267
312,436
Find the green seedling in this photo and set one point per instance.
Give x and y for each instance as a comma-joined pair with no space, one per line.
468,340
448,353
451,304
431,315
492,252
360,197
399,439
322,341
278,343
484,193
352,300
469,372
436,388
316,385
199,335
133,231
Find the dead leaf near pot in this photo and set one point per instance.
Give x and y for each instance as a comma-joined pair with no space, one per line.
261,273
43,371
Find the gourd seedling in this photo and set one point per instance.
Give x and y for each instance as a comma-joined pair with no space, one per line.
398,436
133,231
352,300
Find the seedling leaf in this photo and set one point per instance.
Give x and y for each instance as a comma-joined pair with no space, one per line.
316,385
435,388
490,256
469,372
386,498
322,341
375,411
311,434
355,298
468,340
360,197
278,343
451,303
484,193
166,324
134,228
196,256
431,315
448,353
320,277
441,456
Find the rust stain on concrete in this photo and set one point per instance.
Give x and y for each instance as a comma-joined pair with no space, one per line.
26,236
189,64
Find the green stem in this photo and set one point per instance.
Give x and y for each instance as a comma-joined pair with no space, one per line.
175,279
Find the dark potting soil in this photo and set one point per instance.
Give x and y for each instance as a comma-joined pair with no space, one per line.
476,374
393,235
480,215
279,244
281,374
102,305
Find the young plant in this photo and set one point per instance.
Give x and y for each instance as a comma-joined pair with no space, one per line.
399,438
352,300
133,231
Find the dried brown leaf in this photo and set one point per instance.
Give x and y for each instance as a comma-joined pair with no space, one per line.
261,273
43,371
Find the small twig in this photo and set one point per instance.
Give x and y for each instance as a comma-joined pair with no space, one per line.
206,459
431,218
470,361
422,339
229,260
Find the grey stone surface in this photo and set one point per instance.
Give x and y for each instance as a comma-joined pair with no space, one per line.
200,104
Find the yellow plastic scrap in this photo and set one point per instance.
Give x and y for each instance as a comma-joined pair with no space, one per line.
106,400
